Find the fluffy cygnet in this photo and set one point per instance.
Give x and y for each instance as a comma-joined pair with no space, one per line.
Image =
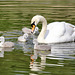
5,44
23,38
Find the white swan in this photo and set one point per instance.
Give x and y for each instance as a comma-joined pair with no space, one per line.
28,31
5,44
55,32
23,38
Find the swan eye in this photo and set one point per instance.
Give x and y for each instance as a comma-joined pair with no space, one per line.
33,24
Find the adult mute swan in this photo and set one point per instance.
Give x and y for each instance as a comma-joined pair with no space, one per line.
55,32
5,44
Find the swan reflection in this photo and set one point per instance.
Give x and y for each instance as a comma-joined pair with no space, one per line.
64,51
38,66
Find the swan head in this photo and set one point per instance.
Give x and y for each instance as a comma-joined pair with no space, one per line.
35,20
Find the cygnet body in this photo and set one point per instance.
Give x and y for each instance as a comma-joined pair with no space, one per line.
5,44
23,38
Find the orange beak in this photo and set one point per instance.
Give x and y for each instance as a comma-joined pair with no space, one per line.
33,28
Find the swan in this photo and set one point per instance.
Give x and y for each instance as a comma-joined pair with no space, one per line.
55,32
23,38
28,31
5,44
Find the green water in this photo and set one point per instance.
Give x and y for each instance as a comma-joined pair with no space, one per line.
16,14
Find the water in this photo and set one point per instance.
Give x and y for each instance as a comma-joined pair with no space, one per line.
16,14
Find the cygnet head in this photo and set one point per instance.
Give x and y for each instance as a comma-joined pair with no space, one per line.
36,30
25,35
2,39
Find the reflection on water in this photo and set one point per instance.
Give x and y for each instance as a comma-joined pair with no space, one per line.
38,66
2,50
63,50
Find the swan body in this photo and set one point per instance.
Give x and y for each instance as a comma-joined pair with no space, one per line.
23,38
5,44
55,32
28,31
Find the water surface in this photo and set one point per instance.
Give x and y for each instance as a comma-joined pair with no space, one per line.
16,14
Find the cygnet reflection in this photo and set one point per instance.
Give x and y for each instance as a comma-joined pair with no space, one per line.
2,50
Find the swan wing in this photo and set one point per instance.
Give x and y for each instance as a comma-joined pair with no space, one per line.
55,29
59,32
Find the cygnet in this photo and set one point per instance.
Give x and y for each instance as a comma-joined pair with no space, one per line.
5,44
23,38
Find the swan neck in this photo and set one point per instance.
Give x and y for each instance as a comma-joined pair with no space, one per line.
43,31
